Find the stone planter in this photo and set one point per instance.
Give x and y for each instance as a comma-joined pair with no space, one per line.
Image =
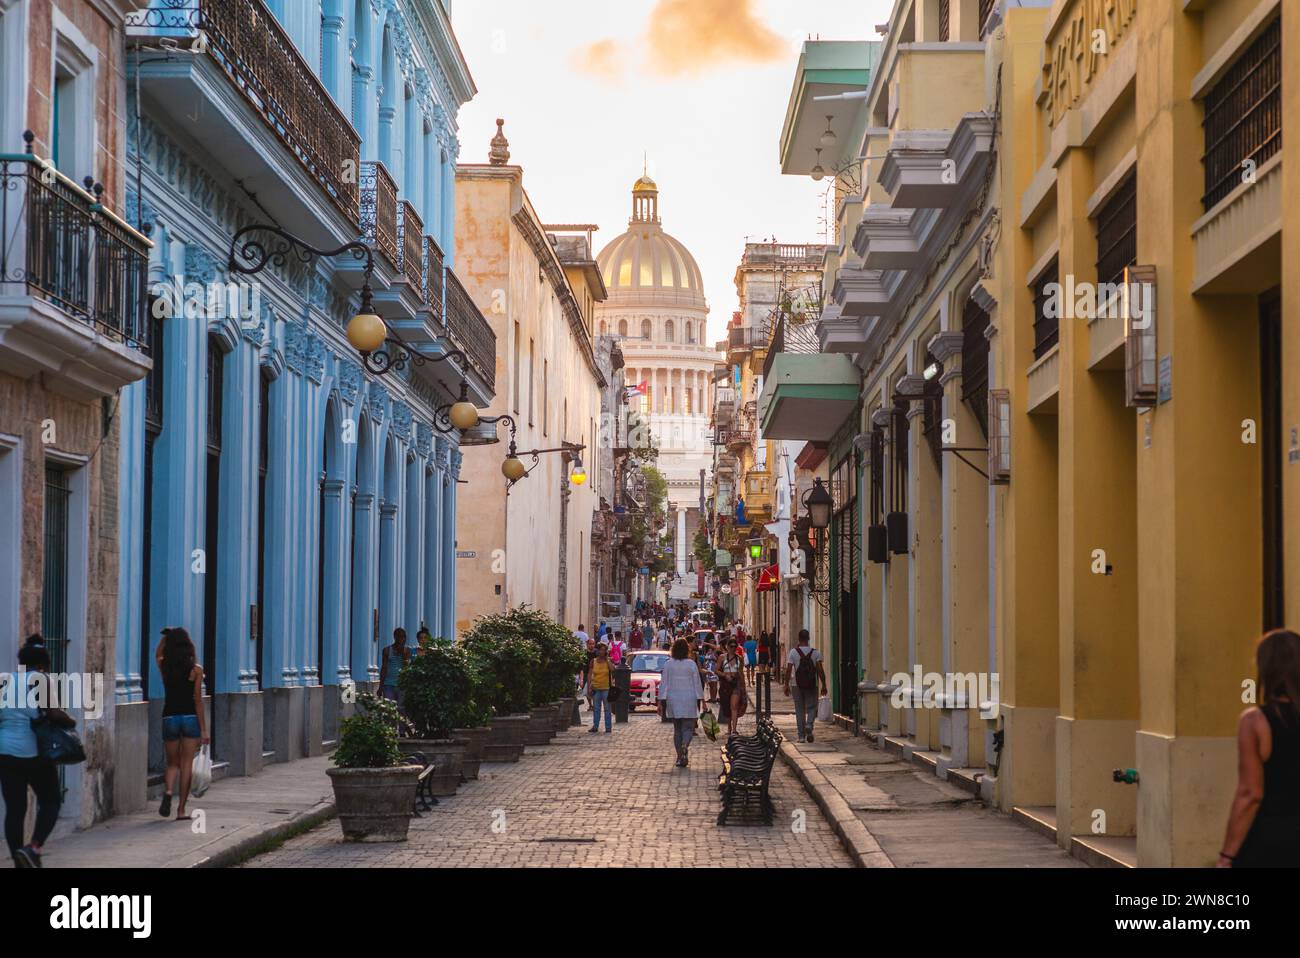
506,735
475,739
374,804
541,725
575,713
446,755
562,715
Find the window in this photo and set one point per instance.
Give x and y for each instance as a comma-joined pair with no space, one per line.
1243,115
975,362
1117,233
531,374
518,372
669,331
546,394
931,409
622,328
54,579
645,329
944,30
1047,329
72,103
215,375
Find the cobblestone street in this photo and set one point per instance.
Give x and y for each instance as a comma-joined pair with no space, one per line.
589,800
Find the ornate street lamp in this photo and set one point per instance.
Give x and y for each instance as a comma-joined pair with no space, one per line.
818,502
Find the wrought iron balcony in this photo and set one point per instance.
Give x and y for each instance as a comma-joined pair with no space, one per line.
434,282
379,210
59,243
245,38
470,331
410,247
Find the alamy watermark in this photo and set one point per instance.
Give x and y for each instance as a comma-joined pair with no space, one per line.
934,690
53,690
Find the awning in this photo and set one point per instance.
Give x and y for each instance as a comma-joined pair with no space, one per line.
769,578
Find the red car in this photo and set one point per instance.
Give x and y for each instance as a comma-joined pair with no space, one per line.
646,668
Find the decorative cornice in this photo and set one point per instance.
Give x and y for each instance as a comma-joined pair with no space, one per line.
376,402
349,377
423,439
401,424
442,452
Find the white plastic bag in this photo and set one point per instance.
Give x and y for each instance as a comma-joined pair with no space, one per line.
202,777
824,709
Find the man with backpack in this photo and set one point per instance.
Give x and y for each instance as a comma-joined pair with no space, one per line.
804,665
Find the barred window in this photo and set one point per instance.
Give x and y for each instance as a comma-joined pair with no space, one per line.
1243,115
1117,232
975,362
1047,329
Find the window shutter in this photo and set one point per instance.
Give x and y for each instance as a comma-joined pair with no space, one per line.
1138,303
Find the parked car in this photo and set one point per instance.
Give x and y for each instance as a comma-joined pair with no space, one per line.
647,666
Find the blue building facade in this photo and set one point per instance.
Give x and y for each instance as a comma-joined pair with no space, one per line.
281,501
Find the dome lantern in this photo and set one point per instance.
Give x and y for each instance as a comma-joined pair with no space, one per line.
645,201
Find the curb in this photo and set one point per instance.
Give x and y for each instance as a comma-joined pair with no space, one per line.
242,849
854,836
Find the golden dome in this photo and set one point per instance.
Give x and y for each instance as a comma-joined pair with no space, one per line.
646,261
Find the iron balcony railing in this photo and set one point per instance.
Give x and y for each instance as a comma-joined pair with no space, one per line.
60,243
379,210
790,337
1243,115
434,282
410,247
470,331
245,38
745,337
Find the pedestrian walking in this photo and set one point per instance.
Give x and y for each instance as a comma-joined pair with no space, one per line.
764,653
581,634
21,764
751,658
586,672
1264,822
804,665
396,657
602,676
184,722
731,682
681,698
709,661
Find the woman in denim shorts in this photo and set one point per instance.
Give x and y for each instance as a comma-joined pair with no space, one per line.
184,725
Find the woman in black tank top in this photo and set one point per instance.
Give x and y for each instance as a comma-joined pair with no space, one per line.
184,723
1264,824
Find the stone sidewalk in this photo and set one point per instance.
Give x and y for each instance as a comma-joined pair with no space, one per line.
241,814
881,805
590,801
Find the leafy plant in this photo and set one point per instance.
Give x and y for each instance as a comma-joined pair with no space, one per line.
505,663
368,738
441,691
559,655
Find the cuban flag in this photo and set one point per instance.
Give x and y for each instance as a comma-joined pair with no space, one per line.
640,389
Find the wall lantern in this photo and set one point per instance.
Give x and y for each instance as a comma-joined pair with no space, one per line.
756,550
818,502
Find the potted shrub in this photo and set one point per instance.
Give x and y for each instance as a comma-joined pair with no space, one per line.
559,659
505,664
438,695
374,789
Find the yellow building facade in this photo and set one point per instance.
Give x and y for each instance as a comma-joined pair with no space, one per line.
1060,279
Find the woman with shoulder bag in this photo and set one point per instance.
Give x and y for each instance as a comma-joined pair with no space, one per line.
22,765
681,697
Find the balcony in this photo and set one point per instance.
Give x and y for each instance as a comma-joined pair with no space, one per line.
434,283
758,495
470,331
745,339
73,284
790,256
807,395
410,248
378,215
247,52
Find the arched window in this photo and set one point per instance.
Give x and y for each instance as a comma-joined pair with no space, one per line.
690,332
669,331
645,329
604,328
622,328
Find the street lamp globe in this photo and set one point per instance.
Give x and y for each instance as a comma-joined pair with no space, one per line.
579,475
513,468
463,415
366,332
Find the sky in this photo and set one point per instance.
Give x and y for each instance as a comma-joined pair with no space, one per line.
697,89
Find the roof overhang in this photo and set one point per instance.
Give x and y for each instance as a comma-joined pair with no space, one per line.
808,396
826,68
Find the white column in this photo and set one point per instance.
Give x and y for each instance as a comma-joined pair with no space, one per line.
680,550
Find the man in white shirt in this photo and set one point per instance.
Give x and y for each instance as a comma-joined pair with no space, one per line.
804,666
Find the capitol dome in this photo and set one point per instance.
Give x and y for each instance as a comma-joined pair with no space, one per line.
645,264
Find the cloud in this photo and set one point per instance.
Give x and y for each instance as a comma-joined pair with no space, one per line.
603,59
692,36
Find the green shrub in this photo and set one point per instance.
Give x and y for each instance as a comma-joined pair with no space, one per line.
560,657
368,738
505,663
442,691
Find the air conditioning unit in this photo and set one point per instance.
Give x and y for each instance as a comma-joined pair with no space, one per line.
896,523
1138,308
877,544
